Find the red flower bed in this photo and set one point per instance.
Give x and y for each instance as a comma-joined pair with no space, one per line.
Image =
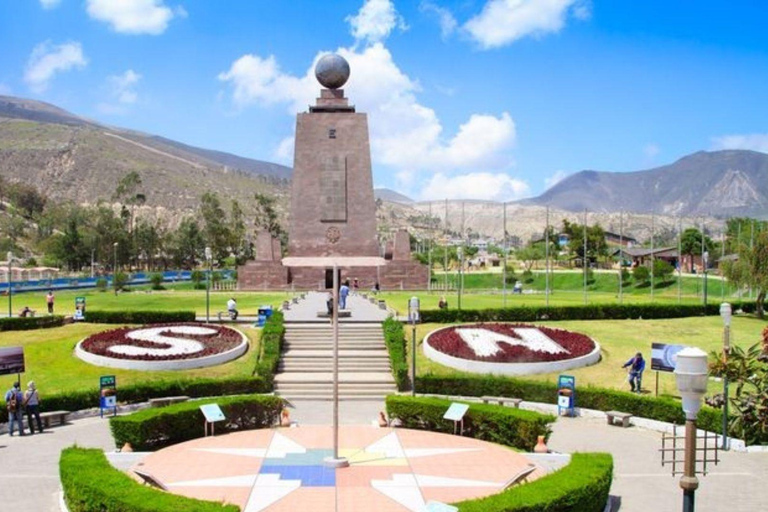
450,342
222,340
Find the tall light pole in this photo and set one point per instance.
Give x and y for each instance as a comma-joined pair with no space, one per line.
691,377
546,260
335,461
584,260
413,318
705,264
93,251
114,268
9,256
725,314
504,266
460,254
209,260
621,256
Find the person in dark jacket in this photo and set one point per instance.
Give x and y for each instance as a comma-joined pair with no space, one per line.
636,367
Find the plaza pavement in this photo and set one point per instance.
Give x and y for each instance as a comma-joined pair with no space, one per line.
29,465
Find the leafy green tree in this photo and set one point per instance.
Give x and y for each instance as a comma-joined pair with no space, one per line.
215,229
530,255
641,275
266,217
751,269
157,281
597,247
691,244
187,244
662,271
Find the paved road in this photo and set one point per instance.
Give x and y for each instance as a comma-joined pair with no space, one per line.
29,465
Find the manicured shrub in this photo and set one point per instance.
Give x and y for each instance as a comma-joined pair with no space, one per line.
581,486
101,284
155,428
589,397
503,425
30,323
272,337
587,312
394,337
91,483
86,399
157,281
138,317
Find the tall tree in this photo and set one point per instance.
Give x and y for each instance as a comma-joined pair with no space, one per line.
691,244
187,243
216,230
751,269
596,244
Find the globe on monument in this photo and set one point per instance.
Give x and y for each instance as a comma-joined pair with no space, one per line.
332,71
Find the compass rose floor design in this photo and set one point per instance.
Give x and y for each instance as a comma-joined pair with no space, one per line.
282,469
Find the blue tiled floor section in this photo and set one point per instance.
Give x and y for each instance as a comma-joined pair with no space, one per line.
310,476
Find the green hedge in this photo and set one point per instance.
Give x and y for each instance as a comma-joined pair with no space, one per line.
30,323
581,486
138,317
155,428
394,337
200,387
587,312
272,337
503,425
91,484
589,397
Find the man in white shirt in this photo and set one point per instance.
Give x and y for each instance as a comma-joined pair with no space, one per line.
232,308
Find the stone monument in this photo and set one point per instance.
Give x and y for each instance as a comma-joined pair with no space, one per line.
333,210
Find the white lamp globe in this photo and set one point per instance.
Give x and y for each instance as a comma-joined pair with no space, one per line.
691,374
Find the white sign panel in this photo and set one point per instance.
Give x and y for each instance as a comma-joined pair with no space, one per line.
456,412
212,413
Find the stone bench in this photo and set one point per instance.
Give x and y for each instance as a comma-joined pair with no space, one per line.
502,400
168,400
59,416
342,314
623,416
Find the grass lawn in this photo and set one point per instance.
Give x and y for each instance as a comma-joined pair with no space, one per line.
51,362
620,339
173,299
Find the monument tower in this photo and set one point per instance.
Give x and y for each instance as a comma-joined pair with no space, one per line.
333,210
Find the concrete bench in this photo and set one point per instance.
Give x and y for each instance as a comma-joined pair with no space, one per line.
59,416
150,479
502,400
168,400
520,477
342,314
623,416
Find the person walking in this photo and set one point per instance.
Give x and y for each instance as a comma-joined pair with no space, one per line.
232,308
13,399
32,405
49,300
636,367
355,286
343,293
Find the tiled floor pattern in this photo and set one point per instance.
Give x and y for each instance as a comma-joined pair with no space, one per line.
282,470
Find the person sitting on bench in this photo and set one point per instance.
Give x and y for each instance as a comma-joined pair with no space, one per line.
232,308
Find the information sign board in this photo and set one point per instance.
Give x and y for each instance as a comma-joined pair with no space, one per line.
212,413
11,360
664,357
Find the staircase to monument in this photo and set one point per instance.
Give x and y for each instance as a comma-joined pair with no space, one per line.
306,365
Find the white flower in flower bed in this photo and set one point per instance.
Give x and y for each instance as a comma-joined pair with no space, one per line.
486,343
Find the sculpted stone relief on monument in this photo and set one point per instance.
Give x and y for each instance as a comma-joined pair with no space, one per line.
333,189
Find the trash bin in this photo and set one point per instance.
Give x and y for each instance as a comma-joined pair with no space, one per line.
264,313
566,395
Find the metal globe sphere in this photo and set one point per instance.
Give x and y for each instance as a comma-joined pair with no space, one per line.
332,71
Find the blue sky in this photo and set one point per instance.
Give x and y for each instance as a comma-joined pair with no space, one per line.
490,99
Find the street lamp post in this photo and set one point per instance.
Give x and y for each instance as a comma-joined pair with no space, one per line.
335,461
413,318
725,314
114,268
9,256
705,264
209,260
691,377
460,254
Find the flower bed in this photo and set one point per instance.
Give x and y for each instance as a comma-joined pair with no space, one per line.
163,347
511,349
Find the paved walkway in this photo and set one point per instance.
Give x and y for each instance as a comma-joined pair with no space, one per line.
362,309
737,484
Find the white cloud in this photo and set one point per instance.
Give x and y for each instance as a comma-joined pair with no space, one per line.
476,185
445,17
502,22
134,16
582,10
375,21
556,178
651,151
284,151
5,90
404,133
46,60
753,141
50,4
124,86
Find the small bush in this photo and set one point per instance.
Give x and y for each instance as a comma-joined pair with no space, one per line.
91,483
138,317
155,428
30,323
272,337
581,486
394,337
101,284
641,274
120,280
157,281
503,425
